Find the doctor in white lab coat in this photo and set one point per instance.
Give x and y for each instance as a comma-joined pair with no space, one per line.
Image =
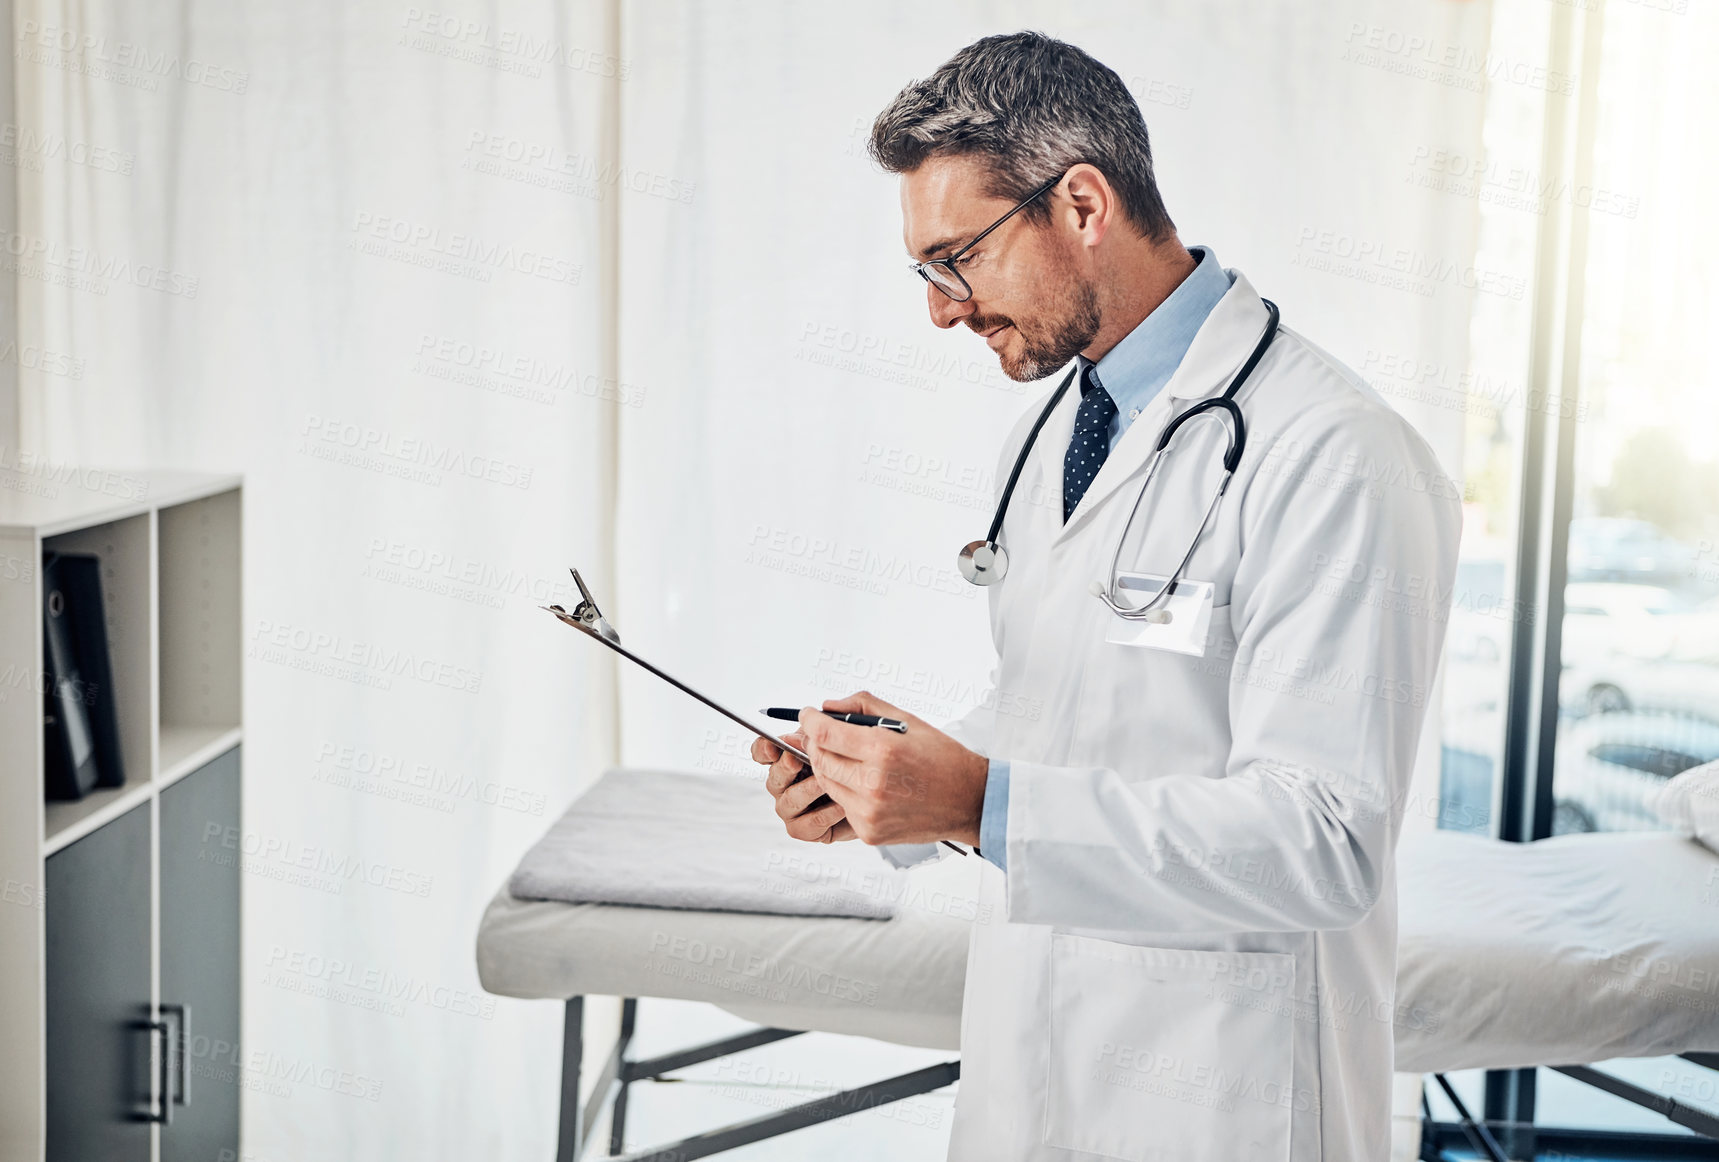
1191,854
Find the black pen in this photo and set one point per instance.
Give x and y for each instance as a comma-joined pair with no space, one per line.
788,715
894,724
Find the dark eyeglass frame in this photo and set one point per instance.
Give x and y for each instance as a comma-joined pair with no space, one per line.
923,269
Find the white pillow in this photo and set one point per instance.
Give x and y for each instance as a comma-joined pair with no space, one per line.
1690,803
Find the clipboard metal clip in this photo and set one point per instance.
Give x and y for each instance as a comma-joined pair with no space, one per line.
586,614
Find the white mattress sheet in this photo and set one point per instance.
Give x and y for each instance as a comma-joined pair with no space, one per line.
1569,950
898,980
671,839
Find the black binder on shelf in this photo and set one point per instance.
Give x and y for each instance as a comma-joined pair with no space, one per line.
81,729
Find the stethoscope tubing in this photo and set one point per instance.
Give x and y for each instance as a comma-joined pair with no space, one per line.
1144,612
1021,460
1232,457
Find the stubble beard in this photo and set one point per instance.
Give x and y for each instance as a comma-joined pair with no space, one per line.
1042,352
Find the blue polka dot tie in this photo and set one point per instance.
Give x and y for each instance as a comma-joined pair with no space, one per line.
1091,441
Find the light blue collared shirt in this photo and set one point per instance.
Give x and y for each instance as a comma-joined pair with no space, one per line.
1133,372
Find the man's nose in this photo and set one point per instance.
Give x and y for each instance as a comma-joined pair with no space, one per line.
945,311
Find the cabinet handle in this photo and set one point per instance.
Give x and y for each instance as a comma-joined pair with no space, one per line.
164,1079
181,1052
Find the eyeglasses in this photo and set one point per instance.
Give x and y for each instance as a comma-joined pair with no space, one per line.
941,272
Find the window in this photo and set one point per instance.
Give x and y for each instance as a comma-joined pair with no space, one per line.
1641,626
1602,491
1641,618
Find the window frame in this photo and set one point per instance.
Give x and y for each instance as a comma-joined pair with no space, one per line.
1524,797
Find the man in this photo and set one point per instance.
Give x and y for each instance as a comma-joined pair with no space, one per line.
1193,839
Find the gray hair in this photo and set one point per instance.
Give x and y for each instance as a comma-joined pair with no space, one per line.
1031,106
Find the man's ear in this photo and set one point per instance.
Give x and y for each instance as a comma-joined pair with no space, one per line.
1092,206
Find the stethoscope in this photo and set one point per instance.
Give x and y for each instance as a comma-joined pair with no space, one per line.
986,563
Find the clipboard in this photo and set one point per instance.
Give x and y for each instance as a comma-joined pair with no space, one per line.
589,620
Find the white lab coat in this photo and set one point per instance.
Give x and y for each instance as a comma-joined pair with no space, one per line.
1198,956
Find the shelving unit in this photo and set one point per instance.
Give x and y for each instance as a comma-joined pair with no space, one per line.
170,550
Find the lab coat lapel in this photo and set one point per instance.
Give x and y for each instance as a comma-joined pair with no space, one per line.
1220,347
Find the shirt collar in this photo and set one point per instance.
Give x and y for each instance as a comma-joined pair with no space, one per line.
1138,367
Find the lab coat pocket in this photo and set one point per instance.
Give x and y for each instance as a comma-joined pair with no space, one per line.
1182,621
1160,1054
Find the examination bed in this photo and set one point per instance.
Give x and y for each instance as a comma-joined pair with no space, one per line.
1564,952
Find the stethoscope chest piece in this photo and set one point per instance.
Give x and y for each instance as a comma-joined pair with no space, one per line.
984,562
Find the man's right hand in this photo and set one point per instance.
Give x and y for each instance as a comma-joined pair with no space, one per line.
796,789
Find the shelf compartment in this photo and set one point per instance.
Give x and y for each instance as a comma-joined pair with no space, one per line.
198,543
123,547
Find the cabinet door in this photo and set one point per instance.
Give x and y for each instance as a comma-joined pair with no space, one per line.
98,1048
200,958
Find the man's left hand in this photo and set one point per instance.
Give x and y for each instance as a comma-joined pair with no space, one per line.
918,787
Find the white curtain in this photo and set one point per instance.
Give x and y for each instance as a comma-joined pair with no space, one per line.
387,302
474,294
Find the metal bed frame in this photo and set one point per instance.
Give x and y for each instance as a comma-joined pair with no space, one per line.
618,1072
1528,1140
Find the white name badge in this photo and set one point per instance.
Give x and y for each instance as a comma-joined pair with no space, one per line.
1189,609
